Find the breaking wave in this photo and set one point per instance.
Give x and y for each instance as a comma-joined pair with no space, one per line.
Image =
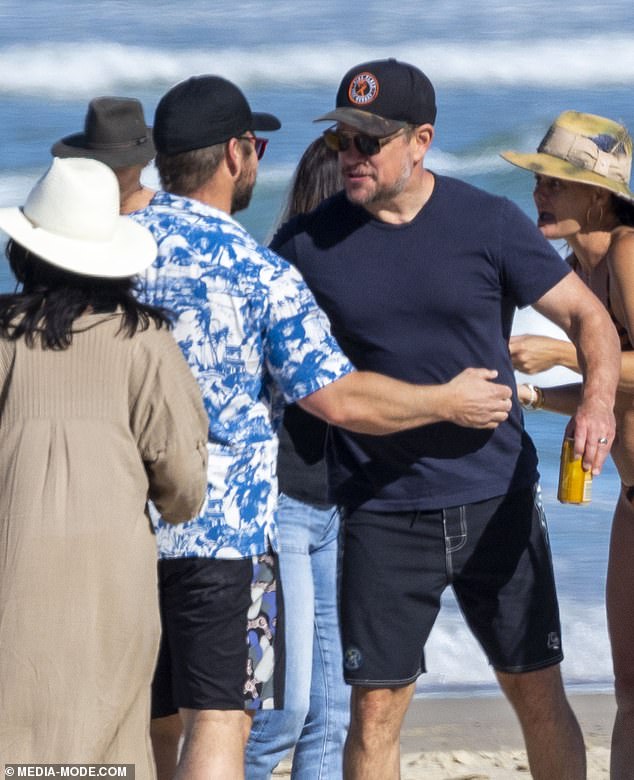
64,69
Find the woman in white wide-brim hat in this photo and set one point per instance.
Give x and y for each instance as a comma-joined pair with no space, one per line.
98,413
582,170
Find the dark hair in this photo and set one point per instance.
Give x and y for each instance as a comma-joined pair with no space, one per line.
51,299
185,172
316,178
623,210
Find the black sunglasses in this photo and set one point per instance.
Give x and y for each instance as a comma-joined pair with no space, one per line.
367,145
259,144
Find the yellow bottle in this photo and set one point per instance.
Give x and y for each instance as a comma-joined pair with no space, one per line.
575,484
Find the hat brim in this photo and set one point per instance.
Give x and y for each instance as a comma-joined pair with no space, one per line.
130,250
264,122
371,124
549,165
76,145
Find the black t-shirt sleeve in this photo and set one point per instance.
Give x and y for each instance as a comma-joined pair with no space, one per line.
530,264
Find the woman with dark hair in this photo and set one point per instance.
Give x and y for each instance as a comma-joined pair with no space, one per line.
98,414
51,299
315,715
582,171
316,178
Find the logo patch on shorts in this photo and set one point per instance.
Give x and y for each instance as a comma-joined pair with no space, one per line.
352,659
363,89
553,641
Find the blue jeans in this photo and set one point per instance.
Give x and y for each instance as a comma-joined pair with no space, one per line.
314,720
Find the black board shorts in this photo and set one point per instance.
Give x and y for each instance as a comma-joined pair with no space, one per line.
495,554
222,644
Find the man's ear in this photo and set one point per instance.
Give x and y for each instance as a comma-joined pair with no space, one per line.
234,156
424,135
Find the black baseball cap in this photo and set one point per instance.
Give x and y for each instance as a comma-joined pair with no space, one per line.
203,111
382,96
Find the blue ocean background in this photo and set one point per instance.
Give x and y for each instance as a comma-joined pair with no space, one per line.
502,71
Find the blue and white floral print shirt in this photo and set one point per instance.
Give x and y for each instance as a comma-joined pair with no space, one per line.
255,339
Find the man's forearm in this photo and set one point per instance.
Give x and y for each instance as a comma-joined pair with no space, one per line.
599,357
367,402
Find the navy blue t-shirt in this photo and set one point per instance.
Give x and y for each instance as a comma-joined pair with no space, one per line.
421,302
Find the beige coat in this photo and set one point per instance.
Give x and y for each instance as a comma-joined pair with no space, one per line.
86,435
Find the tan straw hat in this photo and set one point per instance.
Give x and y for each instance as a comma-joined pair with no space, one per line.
71,219
585,148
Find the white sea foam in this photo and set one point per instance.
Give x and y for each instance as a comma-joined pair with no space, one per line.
15,187
456,661
63,69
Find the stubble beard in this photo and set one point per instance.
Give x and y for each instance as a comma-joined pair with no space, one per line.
242,191
383,194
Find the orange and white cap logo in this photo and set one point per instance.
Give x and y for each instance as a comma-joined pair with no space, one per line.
363,89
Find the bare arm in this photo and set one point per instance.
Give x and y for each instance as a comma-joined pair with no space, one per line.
532,354
581,315
563,399
366,402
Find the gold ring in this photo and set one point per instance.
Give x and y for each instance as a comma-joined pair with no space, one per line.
602,440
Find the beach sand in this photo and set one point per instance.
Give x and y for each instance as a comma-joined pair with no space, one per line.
479,739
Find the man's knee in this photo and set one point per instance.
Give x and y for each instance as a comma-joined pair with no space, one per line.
379,709
209,730
624,691
165,734
541,689
168,730
228,721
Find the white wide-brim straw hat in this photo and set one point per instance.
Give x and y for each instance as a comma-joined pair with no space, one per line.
585,148
71,219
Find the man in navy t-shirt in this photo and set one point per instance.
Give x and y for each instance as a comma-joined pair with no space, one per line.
420,275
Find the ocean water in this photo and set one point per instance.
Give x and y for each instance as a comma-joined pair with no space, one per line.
502,72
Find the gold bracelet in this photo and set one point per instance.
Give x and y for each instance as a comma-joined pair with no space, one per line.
541,400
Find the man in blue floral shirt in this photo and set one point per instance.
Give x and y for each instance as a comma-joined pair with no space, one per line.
255,340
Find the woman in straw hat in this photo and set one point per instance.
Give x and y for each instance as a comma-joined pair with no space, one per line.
98,413
582,171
